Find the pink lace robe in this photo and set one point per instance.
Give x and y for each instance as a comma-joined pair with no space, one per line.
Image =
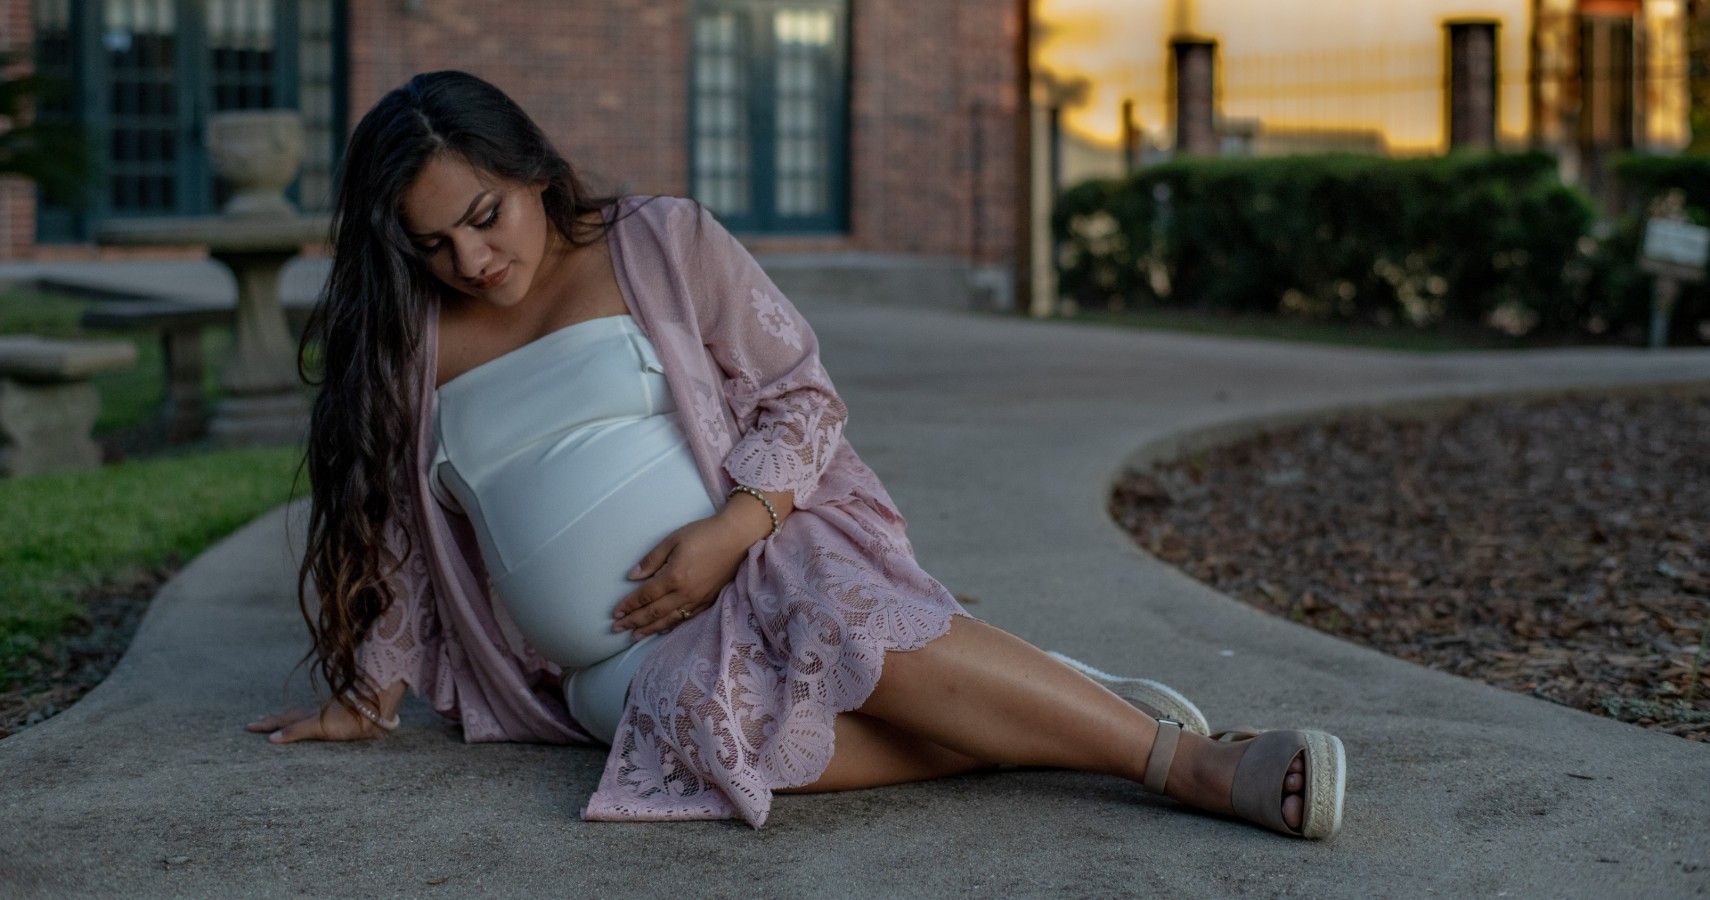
738,700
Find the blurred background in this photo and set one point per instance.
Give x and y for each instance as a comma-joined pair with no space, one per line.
1572,77
932,155
1481,169
840,139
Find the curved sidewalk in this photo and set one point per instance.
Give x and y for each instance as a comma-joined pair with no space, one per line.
999,440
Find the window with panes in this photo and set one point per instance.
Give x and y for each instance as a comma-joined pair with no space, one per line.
768,113
146,74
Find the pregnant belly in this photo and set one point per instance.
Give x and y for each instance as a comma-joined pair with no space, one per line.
562,596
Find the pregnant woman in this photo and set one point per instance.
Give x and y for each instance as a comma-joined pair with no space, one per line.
578,476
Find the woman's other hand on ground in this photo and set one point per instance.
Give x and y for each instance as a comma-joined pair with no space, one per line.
332,723
687,570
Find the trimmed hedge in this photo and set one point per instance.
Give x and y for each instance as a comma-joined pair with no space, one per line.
1335,237
1617,292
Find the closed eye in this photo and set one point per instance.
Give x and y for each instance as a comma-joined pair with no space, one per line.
491,220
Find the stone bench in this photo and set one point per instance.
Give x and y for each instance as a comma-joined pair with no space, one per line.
180,325
47,403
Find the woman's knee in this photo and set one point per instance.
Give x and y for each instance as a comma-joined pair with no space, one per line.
905,671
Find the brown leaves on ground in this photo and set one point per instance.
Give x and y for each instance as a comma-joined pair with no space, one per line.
81,658
1559,548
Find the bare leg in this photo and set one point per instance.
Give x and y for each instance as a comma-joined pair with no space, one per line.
871,753
979,696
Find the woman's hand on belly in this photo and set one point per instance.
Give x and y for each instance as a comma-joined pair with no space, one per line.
687,570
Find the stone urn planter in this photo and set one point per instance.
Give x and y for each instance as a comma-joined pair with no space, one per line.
257,153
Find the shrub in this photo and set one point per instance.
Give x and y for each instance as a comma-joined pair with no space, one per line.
1339,237
1618,291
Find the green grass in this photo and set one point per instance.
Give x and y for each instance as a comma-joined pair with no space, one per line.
64,533
1283,329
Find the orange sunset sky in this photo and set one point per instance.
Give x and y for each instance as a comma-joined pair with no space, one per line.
1305,64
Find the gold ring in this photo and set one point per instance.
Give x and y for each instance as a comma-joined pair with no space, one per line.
683,613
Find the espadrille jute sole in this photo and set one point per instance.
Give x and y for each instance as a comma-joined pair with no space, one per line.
1322,816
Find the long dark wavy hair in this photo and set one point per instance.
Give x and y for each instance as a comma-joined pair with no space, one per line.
369,324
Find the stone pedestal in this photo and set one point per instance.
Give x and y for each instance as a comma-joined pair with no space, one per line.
262,419
257,152
45,428
48,406
263,403
260,375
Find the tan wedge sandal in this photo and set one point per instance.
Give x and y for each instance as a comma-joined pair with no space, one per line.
1256,793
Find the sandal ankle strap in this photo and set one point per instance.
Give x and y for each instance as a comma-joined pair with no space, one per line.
1163,753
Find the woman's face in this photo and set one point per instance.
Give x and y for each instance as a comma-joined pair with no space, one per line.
471,228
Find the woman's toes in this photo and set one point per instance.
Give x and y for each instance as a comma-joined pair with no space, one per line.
1293,783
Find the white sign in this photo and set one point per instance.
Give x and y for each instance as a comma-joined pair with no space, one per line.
1679,243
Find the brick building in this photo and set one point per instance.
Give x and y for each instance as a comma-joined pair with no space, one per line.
867,135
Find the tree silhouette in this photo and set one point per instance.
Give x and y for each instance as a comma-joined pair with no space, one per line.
54,155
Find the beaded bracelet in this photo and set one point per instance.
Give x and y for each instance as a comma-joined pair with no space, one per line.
388,724
745,489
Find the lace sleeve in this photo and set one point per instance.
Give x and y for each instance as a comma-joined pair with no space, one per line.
790,415
403,642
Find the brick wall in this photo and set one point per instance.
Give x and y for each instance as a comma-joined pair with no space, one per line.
608,82
610,87
17,196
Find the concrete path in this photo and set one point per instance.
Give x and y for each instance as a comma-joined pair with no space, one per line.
999,439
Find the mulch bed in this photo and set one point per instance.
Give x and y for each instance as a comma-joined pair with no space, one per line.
1559,548
84,654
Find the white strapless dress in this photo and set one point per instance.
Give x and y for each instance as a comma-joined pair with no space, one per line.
567,457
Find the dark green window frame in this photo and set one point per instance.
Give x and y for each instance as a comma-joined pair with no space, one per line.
151,134
784,159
